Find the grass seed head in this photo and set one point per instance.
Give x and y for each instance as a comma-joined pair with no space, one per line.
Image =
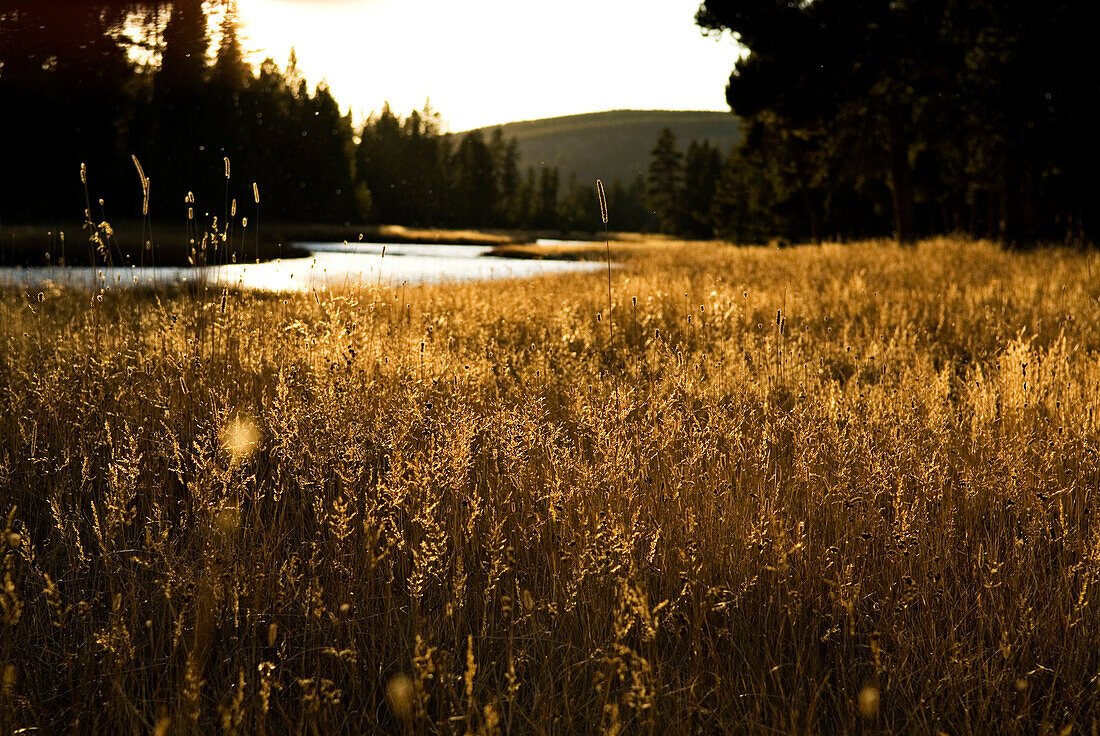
869,701
603,201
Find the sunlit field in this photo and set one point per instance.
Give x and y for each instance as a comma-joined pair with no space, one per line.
817,490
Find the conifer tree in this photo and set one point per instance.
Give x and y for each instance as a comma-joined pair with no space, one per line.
506,169
230,70
546,198
664,192
702,167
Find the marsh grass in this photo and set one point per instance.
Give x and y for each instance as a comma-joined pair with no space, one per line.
133,243
427,511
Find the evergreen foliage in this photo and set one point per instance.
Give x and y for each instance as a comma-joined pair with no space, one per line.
665,183
95,83
919,116
702,168
908,118
167,82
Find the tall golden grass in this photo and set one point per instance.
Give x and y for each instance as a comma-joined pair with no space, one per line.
456,509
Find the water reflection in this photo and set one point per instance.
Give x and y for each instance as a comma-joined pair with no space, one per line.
330,265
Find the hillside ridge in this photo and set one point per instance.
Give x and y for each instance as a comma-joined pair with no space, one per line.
613,144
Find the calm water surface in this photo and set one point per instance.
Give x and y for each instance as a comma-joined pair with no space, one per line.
331,264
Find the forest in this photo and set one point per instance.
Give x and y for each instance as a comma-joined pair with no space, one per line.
860,119
161,93
867,117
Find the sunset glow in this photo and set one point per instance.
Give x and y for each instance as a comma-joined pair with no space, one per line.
494,61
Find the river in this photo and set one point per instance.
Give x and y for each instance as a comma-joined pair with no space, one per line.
329,265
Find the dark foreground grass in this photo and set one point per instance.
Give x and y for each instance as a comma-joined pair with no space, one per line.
818,490
127,243
131,243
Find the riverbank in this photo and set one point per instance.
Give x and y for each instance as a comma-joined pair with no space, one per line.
128,243
70,244
622,246
328,265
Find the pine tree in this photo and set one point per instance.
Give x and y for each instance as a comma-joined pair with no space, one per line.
183,61
378,163
702,167
506,169
524,205
183,160
743,206
576,210
546,198
329,194
664,193
230,72
474,181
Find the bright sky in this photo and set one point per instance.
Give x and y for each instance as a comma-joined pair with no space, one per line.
494,61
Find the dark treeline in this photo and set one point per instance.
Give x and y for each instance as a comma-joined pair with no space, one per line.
914,117
702,192
859,118
97,83
416,175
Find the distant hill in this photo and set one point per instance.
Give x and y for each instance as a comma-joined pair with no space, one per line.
613,145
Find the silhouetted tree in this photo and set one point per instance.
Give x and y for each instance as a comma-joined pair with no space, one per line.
524,206
424,186
230,72
579,208
702,167
664,194
961,113
744,204
329,192
473,182
545,214
506,169
626,208
66,99
378,163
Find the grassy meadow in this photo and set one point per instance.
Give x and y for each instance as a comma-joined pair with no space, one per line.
817,490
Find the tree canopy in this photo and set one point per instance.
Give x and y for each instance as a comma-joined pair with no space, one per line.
95,84
920,116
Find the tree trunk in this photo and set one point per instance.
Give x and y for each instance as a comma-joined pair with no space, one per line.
901,179
1010,215
811,215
